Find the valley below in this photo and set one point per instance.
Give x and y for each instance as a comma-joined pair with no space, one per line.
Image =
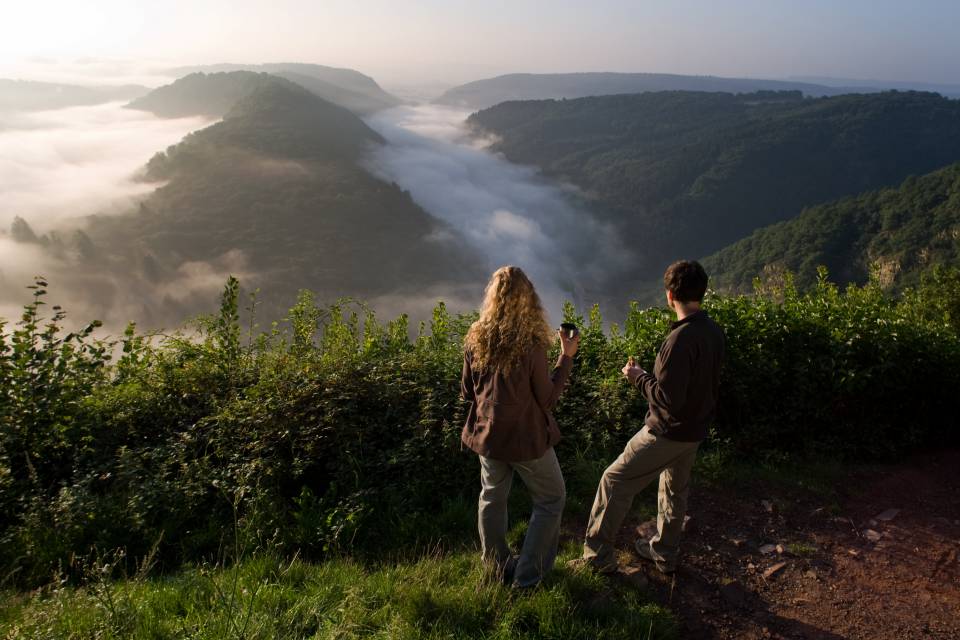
232,320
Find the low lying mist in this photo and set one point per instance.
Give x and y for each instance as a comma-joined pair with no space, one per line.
60,166
69,163
509,213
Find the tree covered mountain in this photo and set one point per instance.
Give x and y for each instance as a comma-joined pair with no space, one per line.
896,232
275,192
202,94
214,94
945,89
687,173
481,94
28,95
350,85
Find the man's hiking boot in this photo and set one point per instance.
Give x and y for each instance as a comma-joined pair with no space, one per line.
642,546
501,573
592,564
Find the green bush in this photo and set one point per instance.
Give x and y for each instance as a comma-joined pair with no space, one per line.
336,432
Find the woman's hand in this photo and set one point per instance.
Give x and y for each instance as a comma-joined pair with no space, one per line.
569,346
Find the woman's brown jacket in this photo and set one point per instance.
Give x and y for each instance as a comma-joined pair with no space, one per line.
510,416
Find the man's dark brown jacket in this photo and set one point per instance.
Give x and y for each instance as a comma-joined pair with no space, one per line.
510,416
684,387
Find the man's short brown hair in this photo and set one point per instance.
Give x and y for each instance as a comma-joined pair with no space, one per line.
686,280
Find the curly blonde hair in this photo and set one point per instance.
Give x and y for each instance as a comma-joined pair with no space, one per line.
512,321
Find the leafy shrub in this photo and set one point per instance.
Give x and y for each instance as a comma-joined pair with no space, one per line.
339,433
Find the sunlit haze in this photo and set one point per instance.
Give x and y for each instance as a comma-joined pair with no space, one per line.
452,41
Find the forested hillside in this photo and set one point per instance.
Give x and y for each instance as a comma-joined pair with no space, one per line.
335,84
898,232
685,173
210,95
214,94
481,94
275,190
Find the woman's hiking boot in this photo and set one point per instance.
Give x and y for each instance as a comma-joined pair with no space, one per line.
642,546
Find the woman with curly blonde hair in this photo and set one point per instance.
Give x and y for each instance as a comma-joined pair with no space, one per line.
510,424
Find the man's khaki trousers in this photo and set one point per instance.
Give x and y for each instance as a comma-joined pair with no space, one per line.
645,457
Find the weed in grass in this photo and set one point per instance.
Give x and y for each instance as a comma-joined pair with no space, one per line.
801,549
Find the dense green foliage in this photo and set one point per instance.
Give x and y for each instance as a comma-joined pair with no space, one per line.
685,173
339,433
438,597
277,189
897,232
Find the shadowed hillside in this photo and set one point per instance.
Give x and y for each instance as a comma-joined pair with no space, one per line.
898,232
687,173
275,191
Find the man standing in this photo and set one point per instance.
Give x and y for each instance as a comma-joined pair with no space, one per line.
682,394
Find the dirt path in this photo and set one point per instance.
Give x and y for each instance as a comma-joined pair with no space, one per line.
882,565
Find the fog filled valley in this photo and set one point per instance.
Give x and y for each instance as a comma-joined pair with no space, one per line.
273,449
399,206
295,176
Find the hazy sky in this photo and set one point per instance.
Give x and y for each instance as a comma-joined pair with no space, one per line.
457,40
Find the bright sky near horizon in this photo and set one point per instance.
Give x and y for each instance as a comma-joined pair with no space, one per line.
453,41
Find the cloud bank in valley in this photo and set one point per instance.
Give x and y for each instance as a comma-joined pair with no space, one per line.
59,166
509,213
68,163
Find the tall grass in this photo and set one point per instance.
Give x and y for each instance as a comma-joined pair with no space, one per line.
438,596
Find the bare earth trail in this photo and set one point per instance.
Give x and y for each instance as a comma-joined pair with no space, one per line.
880,563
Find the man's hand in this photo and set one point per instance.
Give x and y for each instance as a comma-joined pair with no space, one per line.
632,370
569,346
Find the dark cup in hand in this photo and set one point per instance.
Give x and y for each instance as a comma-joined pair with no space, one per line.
570,330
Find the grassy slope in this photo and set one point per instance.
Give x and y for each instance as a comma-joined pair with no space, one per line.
265,597
434,592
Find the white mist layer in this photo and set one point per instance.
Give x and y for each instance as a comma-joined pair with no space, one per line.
61,165
506,211
73,162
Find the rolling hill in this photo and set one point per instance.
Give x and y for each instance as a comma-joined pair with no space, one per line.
275,190
687,173
898,232
337,85
201,94
481,94
214,94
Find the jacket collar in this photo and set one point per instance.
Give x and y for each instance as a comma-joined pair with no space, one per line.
696,316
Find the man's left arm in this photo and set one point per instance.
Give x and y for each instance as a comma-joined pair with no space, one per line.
669,390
